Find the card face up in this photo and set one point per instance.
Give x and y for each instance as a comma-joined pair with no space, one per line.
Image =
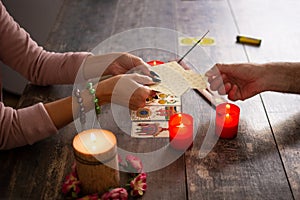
154,113
176,80
152,120
160,99
150,129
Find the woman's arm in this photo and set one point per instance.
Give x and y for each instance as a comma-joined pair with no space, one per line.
34,123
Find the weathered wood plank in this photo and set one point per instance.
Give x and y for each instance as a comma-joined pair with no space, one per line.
139,14
284,115
278,29
37,171
247,167
80,26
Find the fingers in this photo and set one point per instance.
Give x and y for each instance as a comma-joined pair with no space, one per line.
140,64
233,94
216,83
130,90
214,71
137,61
138,98
227,87
141,79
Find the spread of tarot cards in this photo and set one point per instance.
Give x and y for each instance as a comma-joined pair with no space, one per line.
152,120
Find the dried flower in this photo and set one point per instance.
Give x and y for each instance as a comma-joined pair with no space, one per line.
138,185
115,194
134,164
71,184
90,197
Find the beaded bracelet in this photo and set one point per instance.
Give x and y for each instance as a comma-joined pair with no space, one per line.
92,91
82,117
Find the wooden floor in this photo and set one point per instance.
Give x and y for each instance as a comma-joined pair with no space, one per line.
261,163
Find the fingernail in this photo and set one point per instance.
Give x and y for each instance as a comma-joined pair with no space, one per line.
156,80
154,74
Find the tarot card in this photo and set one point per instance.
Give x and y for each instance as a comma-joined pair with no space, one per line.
149,129
154,113
160,99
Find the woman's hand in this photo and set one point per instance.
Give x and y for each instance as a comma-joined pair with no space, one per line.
129,90
126,62
113,64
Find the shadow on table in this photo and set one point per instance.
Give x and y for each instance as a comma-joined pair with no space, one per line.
255,144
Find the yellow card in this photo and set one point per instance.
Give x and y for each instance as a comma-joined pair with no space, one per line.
175,80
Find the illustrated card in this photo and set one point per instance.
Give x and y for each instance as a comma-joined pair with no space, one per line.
160,99
154,113
149,129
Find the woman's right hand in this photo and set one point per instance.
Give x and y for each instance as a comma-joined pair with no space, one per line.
128,90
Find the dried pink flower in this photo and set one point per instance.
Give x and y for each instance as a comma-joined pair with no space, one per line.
134,164
71,185
90,197
115,194
138,185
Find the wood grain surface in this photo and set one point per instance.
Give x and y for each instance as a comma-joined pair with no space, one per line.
261,163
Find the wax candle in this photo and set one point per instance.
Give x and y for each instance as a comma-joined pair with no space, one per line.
96,160
155,62
181,131
227,120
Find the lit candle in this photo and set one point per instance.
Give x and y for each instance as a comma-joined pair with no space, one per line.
155,62
181,131
227,120
96,160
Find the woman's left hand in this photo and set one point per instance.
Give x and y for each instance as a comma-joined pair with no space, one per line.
114,64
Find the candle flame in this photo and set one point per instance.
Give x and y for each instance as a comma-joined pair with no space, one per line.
227,106
227,115
154,63
180,116
93,137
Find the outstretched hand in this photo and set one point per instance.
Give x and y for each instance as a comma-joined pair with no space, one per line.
239,81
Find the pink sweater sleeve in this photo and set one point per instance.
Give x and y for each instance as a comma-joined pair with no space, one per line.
24,126
20,52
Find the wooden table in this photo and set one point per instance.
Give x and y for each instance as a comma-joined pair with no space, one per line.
261,163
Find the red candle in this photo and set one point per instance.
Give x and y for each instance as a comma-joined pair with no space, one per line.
181,131
155,62
227,120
